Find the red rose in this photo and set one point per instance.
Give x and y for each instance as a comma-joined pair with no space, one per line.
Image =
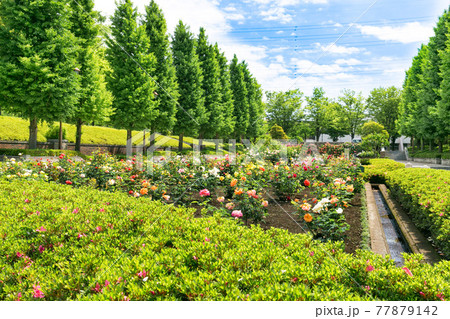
306,183
68,182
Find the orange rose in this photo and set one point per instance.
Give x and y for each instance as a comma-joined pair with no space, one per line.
308,218
238,191
144,191
243,178
350,188
153,188
145,184
233,182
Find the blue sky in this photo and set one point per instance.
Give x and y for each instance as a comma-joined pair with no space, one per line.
292,44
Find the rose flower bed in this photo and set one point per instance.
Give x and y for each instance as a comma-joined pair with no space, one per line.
64,243
321,190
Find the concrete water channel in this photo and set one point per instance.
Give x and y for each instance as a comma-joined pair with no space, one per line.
395,240
392,232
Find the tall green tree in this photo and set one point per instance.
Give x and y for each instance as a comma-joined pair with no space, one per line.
285,110
383,106
318,112
431,82
167,88
408,109
226,130
241,107
352,111
443,109
135,107
37,61
211,87
335,128
192,114
95,100
255,104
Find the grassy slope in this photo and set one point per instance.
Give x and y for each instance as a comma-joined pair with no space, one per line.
16,129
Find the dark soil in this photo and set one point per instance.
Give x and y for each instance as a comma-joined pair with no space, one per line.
283,215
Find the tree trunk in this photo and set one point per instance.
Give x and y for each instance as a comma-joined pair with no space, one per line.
129,144
440,146
317,135
412,143
32,140
143,143
180,142
217,143
78,135
421,143
393,144
352,135
431,145
200,142
60,135
152,138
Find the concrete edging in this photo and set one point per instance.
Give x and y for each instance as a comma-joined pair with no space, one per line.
416,241
378,242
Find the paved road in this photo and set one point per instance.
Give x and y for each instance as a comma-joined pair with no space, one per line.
426,165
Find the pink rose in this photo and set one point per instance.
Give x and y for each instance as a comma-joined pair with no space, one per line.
237,214
204,192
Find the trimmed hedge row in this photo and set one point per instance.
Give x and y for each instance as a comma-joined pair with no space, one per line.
377,169
425,194
62,243
38,152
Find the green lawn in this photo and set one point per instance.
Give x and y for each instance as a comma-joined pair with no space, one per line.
16,129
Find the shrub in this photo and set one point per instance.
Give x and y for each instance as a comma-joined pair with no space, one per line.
277,133
62,243
426,154
53,133
378,168
424,193
38,152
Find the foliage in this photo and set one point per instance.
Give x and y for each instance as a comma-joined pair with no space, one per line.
318,112
211,87
131,63
164,73
37,152
352,111
240,93
383,106
285,109
372,127
277,133
255,105
37,62
94,104
424,194
189,74
120,255
378,168
226,96
53,133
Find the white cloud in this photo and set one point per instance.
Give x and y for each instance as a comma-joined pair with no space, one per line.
412,32
235,17
338,49
304,66
276,14
350,62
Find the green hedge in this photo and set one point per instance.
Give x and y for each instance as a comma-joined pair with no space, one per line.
425,194
377,169
41,152
84,244
426,154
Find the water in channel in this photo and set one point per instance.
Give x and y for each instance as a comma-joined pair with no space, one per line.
397,244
